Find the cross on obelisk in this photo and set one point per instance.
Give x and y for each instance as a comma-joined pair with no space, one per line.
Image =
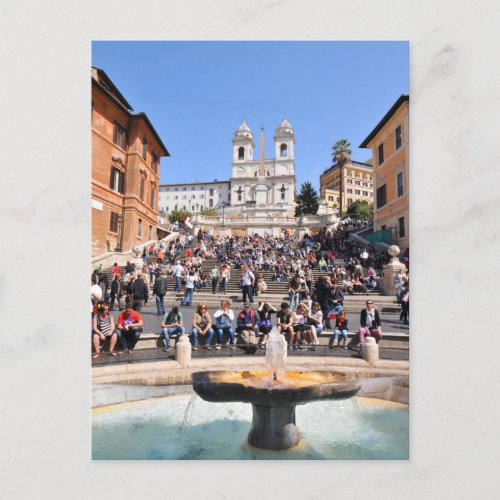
261,167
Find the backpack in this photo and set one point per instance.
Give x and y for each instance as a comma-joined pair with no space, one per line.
161,286
223,321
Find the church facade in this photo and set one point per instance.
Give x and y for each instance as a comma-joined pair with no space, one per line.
263,184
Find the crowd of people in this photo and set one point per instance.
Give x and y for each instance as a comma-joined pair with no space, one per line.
313,306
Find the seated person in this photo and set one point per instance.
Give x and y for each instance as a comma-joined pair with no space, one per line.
246,327
224,318
301,331
372,283
370,323
103,327
172,323
284,322
340,330
261,285
315,321
129,328
265,322
202,325
358,286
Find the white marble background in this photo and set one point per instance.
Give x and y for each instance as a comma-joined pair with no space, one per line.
45,250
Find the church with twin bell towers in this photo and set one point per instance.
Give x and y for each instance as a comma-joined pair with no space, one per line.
260,187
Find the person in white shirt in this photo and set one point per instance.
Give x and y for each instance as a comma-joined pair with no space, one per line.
188,295
247,282
178,269
95,294
224,318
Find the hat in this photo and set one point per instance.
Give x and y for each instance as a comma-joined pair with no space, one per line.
247,304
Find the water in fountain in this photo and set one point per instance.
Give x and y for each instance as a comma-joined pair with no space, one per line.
276,352
340,430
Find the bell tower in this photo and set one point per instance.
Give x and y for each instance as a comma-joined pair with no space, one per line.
243,144
284,141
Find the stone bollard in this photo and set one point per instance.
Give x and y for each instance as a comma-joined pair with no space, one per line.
183,351
370,351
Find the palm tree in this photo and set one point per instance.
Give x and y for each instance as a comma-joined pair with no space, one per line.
341,154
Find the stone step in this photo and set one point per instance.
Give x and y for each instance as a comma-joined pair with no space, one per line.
154,340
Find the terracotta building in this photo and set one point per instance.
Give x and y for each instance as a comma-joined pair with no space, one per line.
389,144
357,183
126,152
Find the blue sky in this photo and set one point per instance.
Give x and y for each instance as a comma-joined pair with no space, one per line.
197,93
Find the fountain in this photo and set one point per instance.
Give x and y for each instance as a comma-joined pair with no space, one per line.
274,394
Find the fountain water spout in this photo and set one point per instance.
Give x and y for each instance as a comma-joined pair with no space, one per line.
276,353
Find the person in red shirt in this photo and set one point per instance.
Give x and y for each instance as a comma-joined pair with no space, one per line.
129,328
340,330
189,252
116,269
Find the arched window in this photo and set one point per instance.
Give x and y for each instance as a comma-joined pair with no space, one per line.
256,172
283,189
267,173
284,150
239,193
241,153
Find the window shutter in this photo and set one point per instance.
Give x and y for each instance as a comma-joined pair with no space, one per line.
122,183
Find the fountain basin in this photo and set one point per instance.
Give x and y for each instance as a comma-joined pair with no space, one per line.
273,401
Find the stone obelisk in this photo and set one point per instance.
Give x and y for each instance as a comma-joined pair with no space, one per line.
261,188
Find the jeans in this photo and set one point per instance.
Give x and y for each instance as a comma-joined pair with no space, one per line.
160,304
208,336
138,303
294,301
375,333
340,332
128,338
247,292
118,302
188,297
405,310
214,285
169,331
177,284
220,334
319,329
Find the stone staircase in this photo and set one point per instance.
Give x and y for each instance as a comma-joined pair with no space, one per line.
276,292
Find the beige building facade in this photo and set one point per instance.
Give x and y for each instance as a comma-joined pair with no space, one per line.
357,183
389,144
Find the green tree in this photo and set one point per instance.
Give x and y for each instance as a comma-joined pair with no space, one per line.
360,209
180,215
341,154
307,200
209,212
